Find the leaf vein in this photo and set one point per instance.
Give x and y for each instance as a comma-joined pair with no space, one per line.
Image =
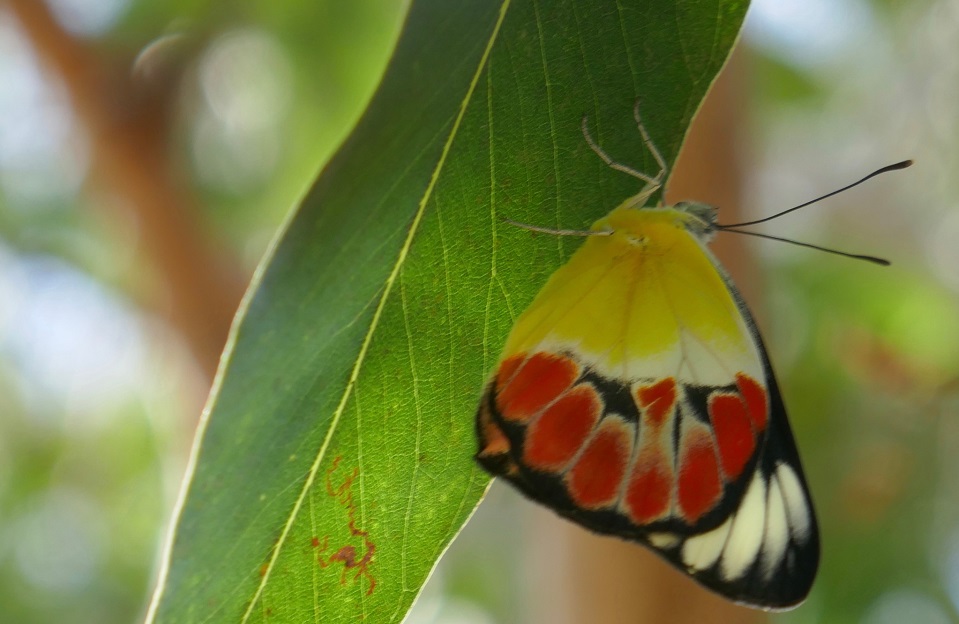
374,322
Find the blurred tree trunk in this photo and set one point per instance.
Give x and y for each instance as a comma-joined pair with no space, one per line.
128,122
578,576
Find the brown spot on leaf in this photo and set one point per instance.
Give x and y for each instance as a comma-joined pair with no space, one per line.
357,553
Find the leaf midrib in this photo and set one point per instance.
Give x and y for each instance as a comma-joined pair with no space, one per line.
374,322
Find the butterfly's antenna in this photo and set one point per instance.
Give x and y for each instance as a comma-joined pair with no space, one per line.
893,167
733,227
653,182
873,259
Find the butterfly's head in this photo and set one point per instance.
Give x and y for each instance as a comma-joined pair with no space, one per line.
700,218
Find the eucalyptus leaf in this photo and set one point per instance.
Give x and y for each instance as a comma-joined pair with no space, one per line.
334,464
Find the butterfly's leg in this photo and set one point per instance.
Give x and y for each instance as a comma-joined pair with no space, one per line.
650,145
654,183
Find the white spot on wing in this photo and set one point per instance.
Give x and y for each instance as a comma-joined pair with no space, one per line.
710,363
650,367
702,551
746,536
663,540
692,361
794,497
777,530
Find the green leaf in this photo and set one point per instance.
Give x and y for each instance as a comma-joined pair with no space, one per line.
335,464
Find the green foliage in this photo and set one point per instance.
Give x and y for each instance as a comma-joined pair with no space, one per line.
98,398
335,464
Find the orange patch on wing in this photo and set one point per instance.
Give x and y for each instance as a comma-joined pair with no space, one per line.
755,397
649,494
560,431
733,430
699,484
650,489
595,479
492,439
657,400
527,384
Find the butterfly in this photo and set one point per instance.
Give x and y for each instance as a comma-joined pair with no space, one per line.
634,397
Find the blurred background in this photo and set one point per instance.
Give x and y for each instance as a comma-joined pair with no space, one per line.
149,151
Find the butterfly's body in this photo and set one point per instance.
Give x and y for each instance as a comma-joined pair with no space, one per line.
634,396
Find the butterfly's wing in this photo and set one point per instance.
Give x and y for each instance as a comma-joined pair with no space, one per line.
634,396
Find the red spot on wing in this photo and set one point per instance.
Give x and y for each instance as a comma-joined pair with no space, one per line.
508,368
699,484
754,395
557,435
595,479
733,430
650,489
657,400
652,481
528,384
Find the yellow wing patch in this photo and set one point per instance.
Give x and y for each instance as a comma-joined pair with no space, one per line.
643,300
